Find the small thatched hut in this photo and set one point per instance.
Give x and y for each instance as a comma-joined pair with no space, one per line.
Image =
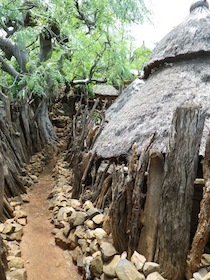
145,160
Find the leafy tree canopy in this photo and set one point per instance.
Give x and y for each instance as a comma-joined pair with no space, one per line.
44,44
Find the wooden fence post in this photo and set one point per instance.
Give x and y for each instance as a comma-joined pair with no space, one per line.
202,233
1,186
176,199
2,249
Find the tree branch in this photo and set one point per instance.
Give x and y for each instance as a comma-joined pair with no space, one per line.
11,49
87,81
89,23
9,69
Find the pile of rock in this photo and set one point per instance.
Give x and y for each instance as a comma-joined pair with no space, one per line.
84,232
11,231
30,172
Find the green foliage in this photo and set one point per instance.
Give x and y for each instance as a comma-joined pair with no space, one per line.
90,40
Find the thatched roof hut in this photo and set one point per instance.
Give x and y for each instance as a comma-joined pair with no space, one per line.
177,72
105,91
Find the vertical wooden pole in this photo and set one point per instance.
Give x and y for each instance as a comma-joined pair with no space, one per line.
2,249
181,162
148,235
203,230
1,186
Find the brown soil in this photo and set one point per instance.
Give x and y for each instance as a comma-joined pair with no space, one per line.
43,259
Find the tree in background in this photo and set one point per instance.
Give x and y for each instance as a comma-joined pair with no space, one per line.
47,44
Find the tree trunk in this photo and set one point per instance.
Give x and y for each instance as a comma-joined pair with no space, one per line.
203,229
177,192
47,131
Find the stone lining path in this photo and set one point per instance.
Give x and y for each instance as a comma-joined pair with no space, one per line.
43,259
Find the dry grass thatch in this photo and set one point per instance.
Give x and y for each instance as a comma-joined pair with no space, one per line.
180,73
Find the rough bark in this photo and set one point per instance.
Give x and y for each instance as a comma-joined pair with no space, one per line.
1,187
3,260
45,46
149,220
203,229
177,191
12,49
47,131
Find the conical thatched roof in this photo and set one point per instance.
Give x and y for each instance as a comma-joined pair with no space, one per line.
188,40
178,71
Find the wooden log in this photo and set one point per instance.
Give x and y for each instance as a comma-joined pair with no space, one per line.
148,235
203,230
134,226
176,200
3,260
1,186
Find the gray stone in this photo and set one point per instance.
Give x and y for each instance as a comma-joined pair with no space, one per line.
15,263
96,266
110,268
80,232
98,219
90,234
66,230
22,221
83,244
90,224
150,267
126,271
75,203
99,233
8,228
86,262
20,214
80,262
93,246
108,250
138,260
92,212
72,240
61,240
87,205
18,274
75,253
17,234
199,275
207,276
80,217
205,259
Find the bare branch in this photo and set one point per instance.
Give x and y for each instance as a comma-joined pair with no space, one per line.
11,49
87,81
9,69
89,23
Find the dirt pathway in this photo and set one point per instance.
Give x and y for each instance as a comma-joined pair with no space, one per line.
43,259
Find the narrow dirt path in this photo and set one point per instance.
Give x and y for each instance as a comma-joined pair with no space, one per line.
43,259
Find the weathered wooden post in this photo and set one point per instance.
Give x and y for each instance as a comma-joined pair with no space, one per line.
2,250
203,229
148,235
1,186
176,199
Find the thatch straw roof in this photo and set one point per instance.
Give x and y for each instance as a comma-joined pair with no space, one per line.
188,40
146,109
105,91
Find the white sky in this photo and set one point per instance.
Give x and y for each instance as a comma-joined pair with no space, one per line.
166,14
